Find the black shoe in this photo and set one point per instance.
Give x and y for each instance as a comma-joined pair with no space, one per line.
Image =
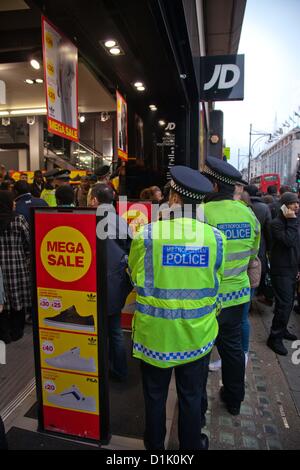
204,442
232,409
289,336
277,346
70,319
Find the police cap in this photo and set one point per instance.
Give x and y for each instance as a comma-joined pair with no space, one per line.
222,171
63,175
51,174
190,183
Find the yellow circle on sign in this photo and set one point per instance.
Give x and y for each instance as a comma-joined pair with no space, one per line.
49,40
50,67
66,254
51,94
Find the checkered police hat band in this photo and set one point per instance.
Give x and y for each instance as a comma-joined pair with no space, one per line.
217,176
185,192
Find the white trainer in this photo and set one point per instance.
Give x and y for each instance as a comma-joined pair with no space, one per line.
246,358
71,360
216,365
73,398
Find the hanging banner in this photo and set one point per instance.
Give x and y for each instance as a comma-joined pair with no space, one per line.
136,214
60,59
68,325
122,128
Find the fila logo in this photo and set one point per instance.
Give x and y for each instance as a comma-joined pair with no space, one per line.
220,72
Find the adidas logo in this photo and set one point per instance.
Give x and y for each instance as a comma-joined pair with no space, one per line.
92,341
91,297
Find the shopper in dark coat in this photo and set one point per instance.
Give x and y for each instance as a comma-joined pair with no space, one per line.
14,262
38,184
25,200
262,212
119,285
285,261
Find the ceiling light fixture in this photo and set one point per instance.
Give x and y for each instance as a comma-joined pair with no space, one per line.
110,43
29,81
115,51
82,118
138,84
25,112
39,80
162,122
141,88
153,107
4,113
35,64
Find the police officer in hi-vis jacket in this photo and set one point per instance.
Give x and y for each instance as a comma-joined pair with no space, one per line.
242,231
177,265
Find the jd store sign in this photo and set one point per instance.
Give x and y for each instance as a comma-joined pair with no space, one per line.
222,78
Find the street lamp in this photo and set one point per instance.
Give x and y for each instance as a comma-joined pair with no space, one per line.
251,133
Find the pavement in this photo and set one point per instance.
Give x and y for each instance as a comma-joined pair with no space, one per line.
270,414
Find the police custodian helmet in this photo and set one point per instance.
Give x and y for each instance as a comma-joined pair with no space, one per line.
190,183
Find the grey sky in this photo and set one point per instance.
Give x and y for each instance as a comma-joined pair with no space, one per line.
270,40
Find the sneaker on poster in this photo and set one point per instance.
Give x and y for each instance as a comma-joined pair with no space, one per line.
71,360
71,320
74,399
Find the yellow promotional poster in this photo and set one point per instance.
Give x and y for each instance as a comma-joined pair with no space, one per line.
26,175
67,310
72,392
72,352
135,219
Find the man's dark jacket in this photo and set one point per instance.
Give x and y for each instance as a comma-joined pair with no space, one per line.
118,282
262,213
25,201
285,252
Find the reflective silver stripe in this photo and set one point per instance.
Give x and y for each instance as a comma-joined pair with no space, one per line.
240,255
257,226
175,314
235,271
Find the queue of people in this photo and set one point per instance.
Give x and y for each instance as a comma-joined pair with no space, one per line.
195,273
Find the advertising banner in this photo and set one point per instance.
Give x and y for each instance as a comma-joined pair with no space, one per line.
60,58
122,128
136,214
68,331
26,175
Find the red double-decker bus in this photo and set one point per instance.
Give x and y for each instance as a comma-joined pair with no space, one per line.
266,180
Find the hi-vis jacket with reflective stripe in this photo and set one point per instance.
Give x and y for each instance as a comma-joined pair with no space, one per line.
176,266
242,230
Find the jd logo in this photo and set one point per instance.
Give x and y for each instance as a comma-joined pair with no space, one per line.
221,73
222,78
2,353
171,126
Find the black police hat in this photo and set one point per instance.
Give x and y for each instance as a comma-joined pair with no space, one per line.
222,171
51,174
63,175
190,183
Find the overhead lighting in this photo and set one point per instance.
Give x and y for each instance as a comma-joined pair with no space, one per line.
29,81
31,112
141,88
153,107
4,113
110,43
162,122
138,84
115,51
39,80
59,152
82,118
35,64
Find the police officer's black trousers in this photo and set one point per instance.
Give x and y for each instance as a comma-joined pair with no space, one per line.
229,343
190,384
284,288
